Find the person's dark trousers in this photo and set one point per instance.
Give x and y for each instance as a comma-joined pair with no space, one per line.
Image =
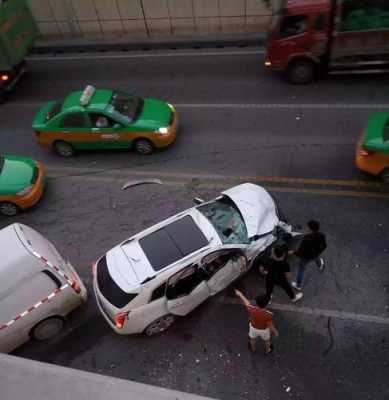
270,283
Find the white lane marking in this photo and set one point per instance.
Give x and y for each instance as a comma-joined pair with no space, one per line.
144,55
280,106
349,316
284,105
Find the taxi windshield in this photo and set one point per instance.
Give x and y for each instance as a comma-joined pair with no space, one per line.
227,220
128,106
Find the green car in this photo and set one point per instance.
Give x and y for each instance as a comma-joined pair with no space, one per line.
21,183
105,119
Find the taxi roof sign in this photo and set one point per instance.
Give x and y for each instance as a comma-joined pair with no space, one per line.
87,95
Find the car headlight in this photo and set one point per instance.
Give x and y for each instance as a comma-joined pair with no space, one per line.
24,191
162,131
171,107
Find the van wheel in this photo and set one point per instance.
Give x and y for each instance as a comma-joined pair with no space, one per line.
64,149
47,328
8,209
160,325
300,72
385,175
143,146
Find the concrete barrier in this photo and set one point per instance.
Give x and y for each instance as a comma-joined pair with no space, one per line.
134,19
25,379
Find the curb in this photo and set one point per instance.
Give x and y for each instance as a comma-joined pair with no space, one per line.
82,45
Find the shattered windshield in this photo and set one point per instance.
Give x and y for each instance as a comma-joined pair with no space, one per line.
226,219
126,105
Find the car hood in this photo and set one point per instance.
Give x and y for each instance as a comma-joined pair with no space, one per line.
256,206
16,174
155,114
128,266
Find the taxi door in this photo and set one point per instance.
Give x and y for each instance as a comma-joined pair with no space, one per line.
106,132
186,290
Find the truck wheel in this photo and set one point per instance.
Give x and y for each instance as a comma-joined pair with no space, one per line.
143,146
301,72
47,328
64,149
160,325
384,175
8,209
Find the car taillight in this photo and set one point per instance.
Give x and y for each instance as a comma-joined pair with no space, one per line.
365,153
76,287
94,267
4,77
120,319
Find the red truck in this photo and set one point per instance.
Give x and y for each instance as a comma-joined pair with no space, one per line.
311,37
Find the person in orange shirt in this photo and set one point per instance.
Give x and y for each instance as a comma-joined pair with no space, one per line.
261,322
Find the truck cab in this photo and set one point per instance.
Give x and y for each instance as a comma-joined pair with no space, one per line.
298,38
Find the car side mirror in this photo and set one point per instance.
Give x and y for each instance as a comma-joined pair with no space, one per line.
255,237
117,126
198,200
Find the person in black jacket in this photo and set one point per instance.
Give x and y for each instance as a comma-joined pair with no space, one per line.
312,245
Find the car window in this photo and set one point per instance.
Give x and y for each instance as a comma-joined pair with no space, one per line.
109,288
183,283
101,121
74,120
158,292
227,220
294,25
320,23
214,262
129,107
54,110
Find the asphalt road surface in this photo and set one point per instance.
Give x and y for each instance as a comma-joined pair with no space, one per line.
237,124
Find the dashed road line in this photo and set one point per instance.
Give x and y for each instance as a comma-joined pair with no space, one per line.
349,316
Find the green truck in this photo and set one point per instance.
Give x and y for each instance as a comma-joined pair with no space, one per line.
18,31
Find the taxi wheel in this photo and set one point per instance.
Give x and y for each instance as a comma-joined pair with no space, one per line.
64,149
47,328
8,209
160,325
385,176
143,146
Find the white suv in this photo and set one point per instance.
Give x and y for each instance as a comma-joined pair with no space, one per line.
144,283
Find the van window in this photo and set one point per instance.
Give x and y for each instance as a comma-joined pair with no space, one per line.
108,287
294,25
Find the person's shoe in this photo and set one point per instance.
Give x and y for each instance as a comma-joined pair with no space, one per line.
298,297
270,351
322,264
294,284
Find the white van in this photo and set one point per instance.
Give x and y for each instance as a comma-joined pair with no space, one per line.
38,288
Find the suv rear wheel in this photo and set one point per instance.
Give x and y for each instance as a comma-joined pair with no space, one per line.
160,325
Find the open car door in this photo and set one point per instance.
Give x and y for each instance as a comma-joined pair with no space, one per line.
186,290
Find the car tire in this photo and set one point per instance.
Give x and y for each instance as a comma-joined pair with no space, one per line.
9,209
384,175
47,329
144,146
160,325
63,149
301,72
